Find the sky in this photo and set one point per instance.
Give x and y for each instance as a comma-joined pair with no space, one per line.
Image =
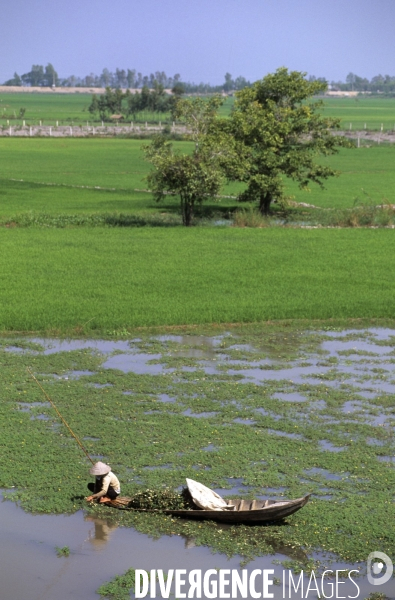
200,39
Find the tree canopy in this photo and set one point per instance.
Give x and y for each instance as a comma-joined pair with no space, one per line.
115,101
275,131
194,176
280,132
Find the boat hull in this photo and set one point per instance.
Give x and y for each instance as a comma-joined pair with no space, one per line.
242,511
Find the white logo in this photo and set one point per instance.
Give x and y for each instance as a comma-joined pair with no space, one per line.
376,567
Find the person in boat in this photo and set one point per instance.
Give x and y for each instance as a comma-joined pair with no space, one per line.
106,486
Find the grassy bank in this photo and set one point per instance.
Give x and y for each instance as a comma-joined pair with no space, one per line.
61,279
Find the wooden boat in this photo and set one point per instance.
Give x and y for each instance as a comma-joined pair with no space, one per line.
239,511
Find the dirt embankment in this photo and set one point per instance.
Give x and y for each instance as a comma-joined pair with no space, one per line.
130,129
364,137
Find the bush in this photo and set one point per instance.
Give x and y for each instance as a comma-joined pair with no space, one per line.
250,217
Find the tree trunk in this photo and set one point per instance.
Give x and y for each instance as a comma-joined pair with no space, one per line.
186,211
264,204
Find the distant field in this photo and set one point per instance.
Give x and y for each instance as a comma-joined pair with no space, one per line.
67,108
52,107
46,107
367,173
361,110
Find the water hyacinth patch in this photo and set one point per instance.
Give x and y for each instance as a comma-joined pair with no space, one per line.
280,454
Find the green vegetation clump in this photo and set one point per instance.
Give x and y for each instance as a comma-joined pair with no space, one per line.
118,588
250,217
162,500
65,551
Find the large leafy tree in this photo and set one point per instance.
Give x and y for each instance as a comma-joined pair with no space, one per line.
194,176
281,132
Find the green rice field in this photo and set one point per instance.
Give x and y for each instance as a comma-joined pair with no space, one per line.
113,279
373,112
59,272
62,108
48,108
362,110
29,165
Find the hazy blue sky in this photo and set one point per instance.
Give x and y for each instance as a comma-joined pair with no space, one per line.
199,39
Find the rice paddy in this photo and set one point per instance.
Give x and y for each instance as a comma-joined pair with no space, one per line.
110,279
229,355
90,176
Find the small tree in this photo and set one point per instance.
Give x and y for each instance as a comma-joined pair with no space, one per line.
108,103
196,176
51,76
177,92
280,133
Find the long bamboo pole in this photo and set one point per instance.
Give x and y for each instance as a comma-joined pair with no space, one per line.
60,416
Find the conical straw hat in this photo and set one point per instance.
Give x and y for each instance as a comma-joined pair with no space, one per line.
100,468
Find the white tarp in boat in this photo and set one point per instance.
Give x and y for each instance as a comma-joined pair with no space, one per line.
205,498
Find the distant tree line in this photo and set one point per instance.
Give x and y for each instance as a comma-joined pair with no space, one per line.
129,78
120,79
39,76
384,84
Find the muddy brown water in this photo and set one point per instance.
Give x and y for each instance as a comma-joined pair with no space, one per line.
29,566
31,570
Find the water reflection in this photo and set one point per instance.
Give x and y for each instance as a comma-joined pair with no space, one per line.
100,535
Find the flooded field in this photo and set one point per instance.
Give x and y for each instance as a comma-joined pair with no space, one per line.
250,413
